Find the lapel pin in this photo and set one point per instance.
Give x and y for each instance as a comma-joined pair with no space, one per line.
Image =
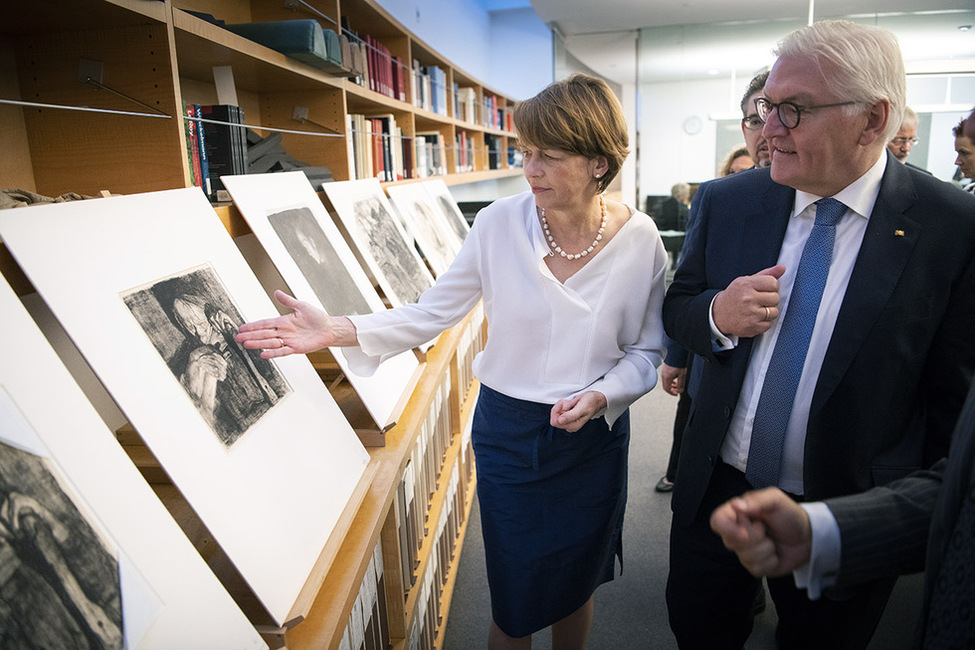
898,233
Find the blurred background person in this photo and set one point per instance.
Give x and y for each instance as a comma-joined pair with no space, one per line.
736,161
752,124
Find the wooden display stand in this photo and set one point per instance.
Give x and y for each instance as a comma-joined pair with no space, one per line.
126,134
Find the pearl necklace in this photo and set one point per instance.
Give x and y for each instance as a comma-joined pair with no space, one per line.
574,256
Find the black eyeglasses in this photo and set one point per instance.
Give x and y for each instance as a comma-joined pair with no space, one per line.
789,112
900,142
752,122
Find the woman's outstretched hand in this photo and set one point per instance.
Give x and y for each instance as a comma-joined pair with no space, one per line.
306,329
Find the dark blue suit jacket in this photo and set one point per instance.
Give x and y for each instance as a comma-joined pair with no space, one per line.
900,359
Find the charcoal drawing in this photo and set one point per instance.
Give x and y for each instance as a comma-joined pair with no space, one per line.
59,583
313,253
453,214
191,320
387,246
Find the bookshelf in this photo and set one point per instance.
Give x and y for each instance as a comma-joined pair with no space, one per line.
155,56
126,134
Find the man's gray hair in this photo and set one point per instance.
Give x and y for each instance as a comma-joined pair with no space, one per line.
858,63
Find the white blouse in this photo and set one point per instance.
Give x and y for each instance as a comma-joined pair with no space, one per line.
601,330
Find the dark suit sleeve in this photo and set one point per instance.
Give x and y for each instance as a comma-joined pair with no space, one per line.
688,302
884,531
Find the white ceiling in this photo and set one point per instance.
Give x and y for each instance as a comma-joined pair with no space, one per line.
692,39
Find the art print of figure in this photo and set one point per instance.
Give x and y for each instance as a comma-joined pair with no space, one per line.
400,265
191,321
312,252
59,583
453,215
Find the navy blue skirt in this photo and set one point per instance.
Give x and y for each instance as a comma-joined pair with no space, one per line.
551,504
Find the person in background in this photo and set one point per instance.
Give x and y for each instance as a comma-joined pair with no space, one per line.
673,211
751,123
736,161
878,345
572,286
965,159
901,144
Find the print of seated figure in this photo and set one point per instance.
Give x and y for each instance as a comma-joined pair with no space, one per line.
222,379
191,320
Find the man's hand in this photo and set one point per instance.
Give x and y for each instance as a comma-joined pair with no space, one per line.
672,379
749,304
769,532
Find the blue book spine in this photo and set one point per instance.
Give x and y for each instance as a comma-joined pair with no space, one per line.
204,165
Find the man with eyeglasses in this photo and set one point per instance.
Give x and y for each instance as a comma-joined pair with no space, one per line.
752,124
863,381
901,144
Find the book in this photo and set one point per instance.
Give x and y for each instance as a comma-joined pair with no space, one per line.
224,143
192,144
205,182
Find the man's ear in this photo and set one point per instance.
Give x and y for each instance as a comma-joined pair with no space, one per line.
878,115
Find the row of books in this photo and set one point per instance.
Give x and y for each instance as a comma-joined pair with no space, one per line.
430,615
429,88
376,68
378,149
214,147
465,104
464,147
368,626
419,482
495,114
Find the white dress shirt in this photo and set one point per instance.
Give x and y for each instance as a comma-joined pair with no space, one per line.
600,330
859,197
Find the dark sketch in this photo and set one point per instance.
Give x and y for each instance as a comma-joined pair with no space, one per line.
59,584
191,321
433,244
387,246
451,211
311,250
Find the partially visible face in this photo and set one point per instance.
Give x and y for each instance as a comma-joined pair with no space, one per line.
740,164
754,140
823,154
966,154
901,145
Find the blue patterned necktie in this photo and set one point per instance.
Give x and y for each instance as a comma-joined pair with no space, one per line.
789,354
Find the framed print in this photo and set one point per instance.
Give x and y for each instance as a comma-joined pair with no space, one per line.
316,263
151,288
90,556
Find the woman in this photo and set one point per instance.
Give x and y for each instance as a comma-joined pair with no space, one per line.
572,287
737,161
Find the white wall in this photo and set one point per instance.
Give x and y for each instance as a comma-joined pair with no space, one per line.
509,50
670,155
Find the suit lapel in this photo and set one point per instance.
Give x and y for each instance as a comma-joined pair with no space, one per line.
886,249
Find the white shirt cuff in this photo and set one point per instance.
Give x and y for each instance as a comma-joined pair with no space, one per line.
824,556
719,341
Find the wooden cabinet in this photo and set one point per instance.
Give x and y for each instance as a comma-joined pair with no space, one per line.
91,101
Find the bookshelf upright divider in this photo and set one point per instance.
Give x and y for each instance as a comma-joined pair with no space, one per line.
126,132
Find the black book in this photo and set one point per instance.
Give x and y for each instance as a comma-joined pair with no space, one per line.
225,144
